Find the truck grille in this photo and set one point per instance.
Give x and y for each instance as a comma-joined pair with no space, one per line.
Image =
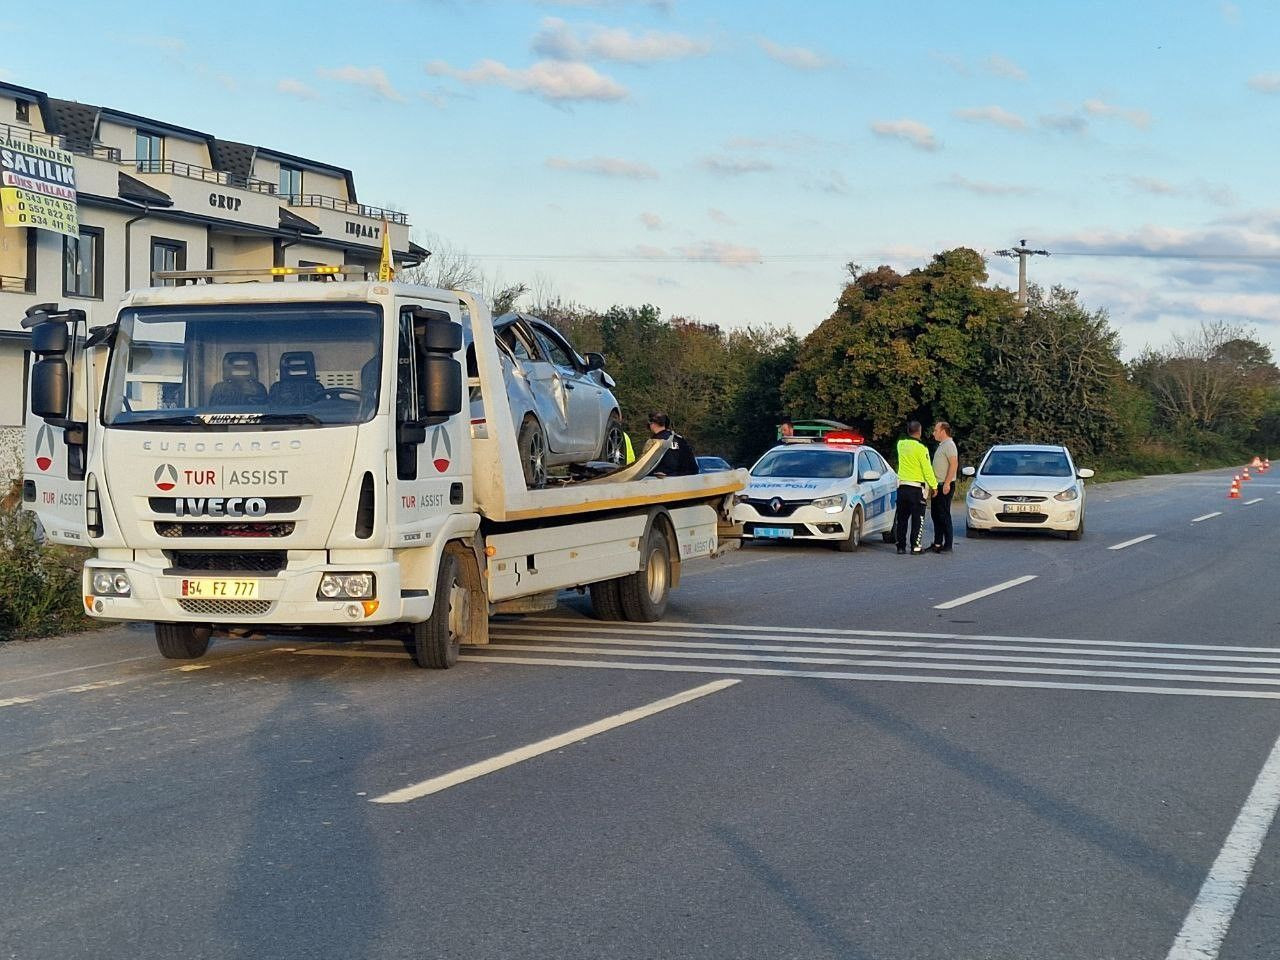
226,608
256,561
167,506
176,528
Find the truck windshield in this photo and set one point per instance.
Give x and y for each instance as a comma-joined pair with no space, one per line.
808,464
245,365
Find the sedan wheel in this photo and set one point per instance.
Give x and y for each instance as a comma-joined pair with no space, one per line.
533,454
612,449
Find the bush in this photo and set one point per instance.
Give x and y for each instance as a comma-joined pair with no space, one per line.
39,584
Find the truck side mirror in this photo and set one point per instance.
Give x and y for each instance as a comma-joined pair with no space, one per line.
50,387
442,394
50,338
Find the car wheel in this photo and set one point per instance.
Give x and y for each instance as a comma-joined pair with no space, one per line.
851,543
533,454
1078,532
972,533
612,449
889,536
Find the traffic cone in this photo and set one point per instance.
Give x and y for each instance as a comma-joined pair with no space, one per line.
1234,492
1244,474
1257,462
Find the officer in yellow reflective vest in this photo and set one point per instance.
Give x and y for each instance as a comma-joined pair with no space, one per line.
916,481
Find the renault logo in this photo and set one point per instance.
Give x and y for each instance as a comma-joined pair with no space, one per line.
166,477
775,505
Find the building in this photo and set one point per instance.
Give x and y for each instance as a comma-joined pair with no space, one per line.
151,195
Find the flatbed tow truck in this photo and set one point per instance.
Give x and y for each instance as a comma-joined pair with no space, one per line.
372,484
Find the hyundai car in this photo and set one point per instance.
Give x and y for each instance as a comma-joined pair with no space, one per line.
1026,486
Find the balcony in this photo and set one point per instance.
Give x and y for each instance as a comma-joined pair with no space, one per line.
192,172
347,206
71,144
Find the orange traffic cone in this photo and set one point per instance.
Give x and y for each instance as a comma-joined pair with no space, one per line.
1234,492
1257,462
1244,474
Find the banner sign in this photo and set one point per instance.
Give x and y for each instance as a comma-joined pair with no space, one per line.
37,187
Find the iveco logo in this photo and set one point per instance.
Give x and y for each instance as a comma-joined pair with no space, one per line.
44,447
166,476
441,451
220,507
775,505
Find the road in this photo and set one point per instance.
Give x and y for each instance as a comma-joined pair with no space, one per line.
834,760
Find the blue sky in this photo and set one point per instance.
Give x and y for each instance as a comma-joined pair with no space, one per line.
724,160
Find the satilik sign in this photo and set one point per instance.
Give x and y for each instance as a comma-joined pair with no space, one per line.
37,187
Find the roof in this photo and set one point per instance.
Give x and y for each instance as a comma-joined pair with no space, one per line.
136,190
291,221
233,157
20,93
77,122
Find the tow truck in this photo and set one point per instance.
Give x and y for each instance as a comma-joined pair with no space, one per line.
326,458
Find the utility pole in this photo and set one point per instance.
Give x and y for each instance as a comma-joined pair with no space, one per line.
1022,251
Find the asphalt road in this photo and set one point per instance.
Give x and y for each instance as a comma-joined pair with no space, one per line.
1048,771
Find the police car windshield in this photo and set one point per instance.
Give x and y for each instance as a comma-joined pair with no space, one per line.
805,463
1027,463
245,367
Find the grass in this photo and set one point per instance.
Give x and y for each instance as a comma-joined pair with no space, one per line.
39,583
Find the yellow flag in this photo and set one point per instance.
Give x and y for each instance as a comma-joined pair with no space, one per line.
386,267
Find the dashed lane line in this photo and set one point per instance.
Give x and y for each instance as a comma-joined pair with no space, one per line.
1130,543
529,751
87,666
1249,503
979,594
1208,516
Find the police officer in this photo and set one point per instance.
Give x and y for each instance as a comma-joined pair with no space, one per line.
916,480
679,459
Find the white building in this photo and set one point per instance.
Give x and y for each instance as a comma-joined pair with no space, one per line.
152,195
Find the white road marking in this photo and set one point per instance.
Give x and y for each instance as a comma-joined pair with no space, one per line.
1206,924
89,666
1130,543
519,755
78,688
970,597
1208,516
15,701
1253,501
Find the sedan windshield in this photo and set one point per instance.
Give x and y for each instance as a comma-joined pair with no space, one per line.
1027,463
247,365
810,464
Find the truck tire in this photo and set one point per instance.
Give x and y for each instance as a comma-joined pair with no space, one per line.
606,600
612,447
532,443
436,641
851,543
182,641
645,593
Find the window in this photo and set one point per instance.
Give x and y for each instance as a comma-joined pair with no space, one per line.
167,255
515,340
554,351
32,241
149,152
23,112
82,264
290,182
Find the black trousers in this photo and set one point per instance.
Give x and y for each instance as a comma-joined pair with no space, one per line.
910,513
940,510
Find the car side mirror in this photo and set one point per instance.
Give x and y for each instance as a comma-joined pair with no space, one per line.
869,476
595,361
1084,473
968,472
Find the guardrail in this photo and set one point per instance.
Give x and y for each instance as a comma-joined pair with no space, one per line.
194,172
70,144
347,206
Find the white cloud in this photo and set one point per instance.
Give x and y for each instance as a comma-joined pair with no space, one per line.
557,81
1100,108
1065,123
1230,12
1153,185
1265,82
988,188
735,166
1003,67
910,131
652,220
605,167
798,58
725,254
373,79
998,116
296,88
720,217
831,181
557,40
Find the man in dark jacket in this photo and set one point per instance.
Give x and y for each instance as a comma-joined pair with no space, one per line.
679,459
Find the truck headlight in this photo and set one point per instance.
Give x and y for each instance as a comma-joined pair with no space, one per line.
830,504
1067,495
346,586
978,493
110,583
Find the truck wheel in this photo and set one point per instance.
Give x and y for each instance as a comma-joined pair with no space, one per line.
611,449
182,641
851,543
606,600
645,593
436,640
533,454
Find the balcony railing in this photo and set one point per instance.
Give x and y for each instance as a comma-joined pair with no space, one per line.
347,206
70,144
193,172
16,285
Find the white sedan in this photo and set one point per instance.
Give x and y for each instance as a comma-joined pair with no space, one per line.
1026,486
835,490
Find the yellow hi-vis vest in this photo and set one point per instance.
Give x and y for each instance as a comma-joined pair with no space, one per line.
628,450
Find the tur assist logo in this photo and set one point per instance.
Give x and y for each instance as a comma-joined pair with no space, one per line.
441,449
166,477
44,447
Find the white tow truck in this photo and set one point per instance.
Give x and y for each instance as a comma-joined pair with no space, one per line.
326,457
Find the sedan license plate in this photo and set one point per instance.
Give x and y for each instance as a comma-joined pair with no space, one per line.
1022,508
775,533
210,589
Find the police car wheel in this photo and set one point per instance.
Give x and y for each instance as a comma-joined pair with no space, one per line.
182,641
851,543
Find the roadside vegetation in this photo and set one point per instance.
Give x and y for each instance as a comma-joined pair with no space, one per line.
39,583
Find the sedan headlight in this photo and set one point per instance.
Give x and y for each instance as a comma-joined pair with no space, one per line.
830,504
346,586
978,493
1071,493
110,583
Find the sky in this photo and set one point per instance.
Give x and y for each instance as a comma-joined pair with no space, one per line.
724,160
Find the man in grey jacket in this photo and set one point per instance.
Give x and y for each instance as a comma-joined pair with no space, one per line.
946,464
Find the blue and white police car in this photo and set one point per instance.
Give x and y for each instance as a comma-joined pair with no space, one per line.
835,489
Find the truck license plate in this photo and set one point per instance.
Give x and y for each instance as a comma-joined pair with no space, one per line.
210,589
1022,508
776,533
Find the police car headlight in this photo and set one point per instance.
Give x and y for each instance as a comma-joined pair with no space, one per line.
110,583
346,586
979,494
830,504
1067,495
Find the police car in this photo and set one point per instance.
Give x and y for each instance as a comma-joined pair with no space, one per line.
834,489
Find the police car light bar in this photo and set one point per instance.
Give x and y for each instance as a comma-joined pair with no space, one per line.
846,438
322,270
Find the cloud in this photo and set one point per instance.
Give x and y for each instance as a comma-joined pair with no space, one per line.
720,217
987,188
556,39
735,166
651,220
296,88
1065,123
725,254
1251,235
1265,82
373,79
832,182
605,167
1230,12
1099,108
557,81
911,131
1218,194
994,115
1003,67
798,58
1152,185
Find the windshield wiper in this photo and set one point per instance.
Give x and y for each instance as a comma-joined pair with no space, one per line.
288,418
183,420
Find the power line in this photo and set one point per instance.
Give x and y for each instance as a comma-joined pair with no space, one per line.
844,257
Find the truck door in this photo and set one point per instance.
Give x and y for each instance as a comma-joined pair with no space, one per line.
53,475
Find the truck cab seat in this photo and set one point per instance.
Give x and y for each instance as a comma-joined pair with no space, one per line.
297,385
240,383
